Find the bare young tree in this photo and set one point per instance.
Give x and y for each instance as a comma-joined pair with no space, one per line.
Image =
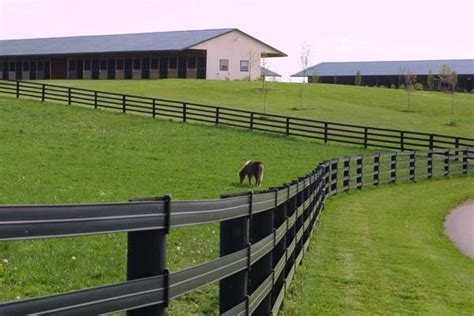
449,80
305,53
264,84
254,60
410,79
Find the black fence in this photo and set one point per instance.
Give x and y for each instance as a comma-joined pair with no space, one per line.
184,111
263,236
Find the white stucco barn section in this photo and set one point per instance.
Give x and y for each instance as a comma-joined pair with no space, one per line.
238,48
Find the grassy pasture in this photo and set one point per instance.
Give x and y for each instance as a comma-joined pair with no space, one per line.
383,251
380,107
52,153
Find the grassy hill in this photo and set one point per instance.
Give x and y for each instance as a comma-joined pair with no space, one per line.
51,153
384,252
381,107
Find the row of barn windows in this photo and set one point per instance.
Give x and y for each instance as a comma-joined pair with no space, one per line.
224,65
36,69
189,62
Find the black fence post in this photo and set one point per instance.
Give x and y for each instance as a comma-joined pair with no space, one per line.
124,103
43,92
287,125
446,162
184,112
359,172
326,132
234,236
146,257
431,144
393,168
95,100
334,171
456,146
412,165
376,169
279,252
153,104
366,136
69,101
261,225
18,89
465,165
217,116
402,141
346,173
251,121
430,164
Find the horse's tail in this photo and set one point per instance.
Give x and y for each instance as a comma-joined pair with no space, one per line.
260,174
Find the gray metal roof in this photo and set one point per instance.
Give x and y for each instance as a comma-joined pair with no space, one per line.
156,41
380,68
268,73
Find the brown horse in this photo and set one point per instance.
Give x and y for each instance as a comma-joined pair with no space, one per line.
252,169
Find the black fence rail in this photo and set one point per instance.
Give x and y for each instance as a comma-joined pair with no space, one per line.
184,111
263,236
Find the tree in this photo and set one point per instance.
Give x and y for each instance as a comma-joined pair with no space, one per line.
429,80
449,79
304,60
254,59
358,78
264,85
410,79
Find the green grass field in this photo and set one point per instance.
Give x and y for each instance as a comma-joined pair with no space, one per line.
56,154
51,153
383,251
381,107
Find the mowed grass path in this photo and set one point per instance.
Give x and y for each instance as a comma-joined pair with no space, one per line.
381,107
383,251
52,153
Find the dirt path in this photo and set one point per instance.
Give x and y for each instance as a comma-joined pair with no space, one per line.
459,226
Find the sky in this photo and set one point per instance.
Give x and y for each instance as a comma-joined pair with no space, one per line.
334,30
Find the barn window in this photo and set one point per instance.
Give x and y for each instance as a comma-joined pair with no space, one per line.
72,65
224,65
119,64
26,66
40,66
172,63
103,64
12,66
191,62
87,64
244,65
136,63
155,63
33,65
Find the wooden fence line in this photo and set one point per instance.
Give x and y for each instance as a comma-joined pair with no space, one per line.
264,235
192,112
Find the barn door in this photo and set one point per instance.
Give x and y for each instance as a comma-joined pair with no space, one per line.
58,68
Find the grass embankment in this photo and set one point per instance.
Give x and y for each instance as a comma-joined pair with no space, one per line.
381,107
384,251
51,153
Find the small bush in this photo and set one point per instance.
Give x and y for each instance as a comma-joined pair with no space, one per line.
393,86
418,86
402,86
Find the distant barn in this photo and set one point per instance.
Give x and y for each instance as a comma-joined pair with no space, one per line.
388,73
201,54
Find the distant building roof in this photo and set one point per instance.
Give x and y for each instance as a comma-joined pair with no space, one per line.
380,68
138,42
268,73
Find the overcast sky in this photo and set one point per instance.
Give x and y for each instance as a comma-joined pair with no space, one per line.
336,30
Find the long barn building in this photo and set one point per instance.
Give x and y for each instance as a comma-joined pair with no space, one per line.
389,73
198,54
